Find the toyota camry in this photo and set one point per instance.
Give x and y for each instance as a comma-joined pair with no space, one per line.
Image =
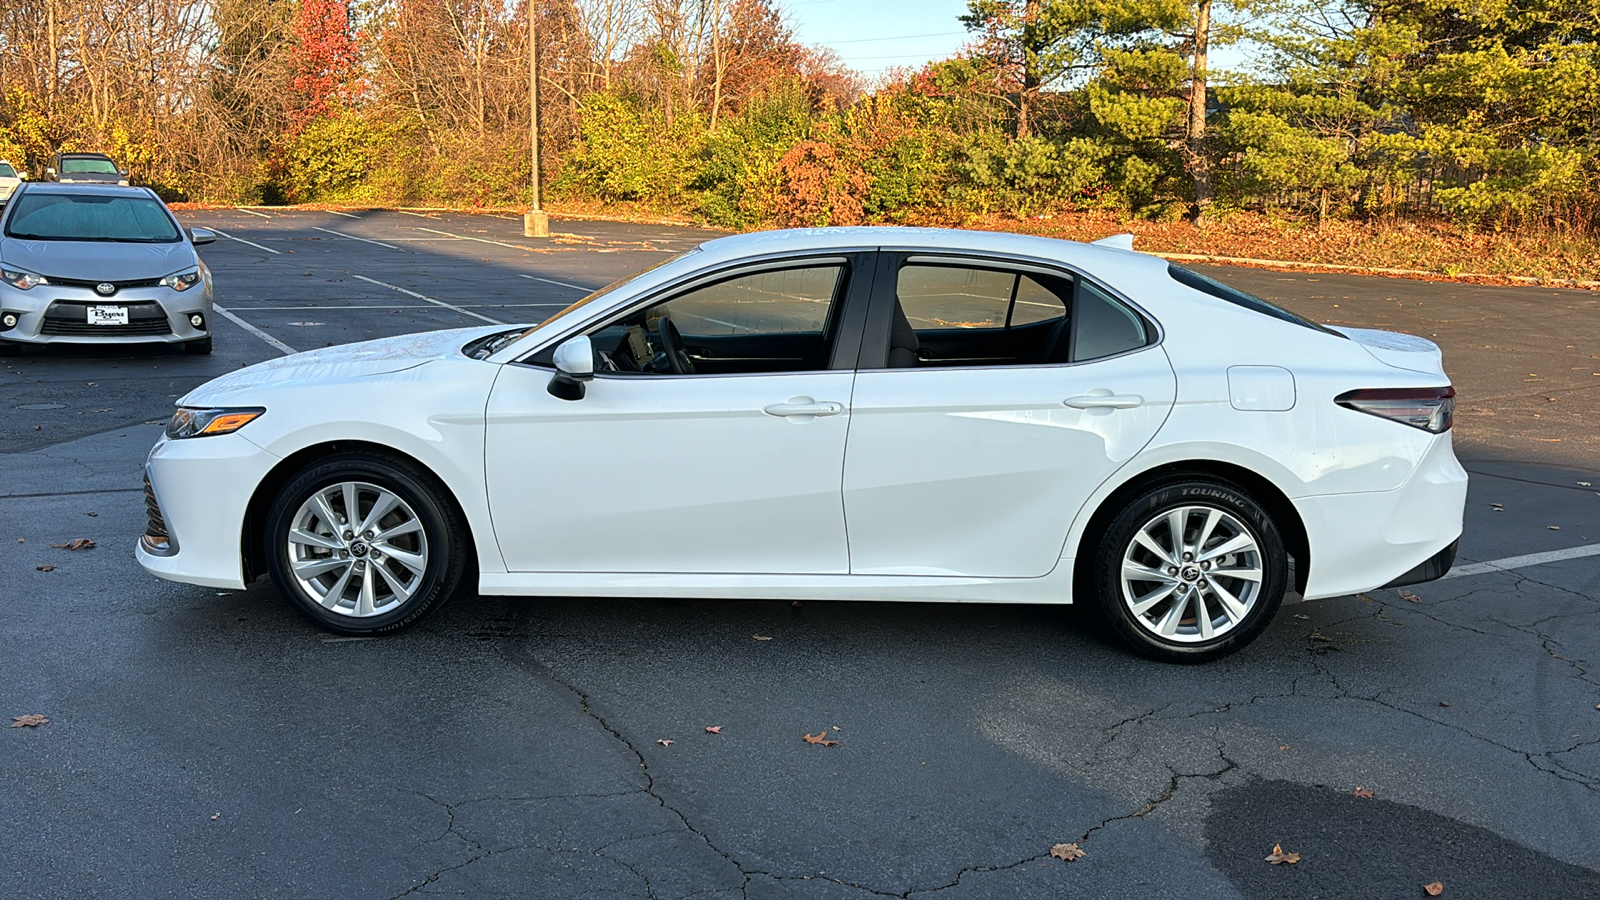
855,413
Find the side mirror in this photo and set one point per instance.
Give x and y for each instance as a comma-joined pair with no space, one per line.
198,236
574,361
123,172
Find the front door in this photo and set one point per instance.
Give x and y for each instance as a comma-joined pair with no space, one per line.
710,441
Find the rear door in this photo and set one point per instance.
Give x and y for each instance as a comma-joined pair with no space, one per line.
1030,386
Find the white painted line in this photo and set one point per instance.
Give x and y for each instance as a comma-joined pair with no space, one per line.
1522,562
426,298
353,237
251,212
287,350
382,306
576,287
345,214
243,241
479,240
405,212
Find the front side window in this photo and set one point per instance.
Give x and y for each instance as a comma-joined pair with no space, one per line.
776,320
6,171
89,217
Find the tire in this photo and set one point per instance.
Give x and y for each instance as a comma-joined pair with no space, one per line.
411,572
1148,598
201,347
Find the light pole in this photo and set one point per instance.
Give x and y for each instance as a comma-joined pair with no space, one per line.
535,223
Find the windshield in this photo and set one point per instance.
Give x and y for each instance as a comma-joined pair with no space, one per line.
91,217
500,342
88,167
6,171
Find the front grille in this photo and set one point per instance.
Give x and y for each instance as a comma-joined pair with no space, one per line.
71,317
155,539
119,285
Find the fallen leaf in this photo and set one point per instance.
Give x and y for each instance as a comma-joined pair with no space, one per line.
1279,857
665,742
1553,527
1364,793
79,544
1283,746
761,637
713,729
1298,616
820,737
1446,705
45,568
31,720
216,817
92,515
1433,889
1584,484
1067,852
1407,595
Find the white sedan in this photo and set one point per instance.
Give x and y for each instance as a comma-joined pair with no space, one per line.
854,413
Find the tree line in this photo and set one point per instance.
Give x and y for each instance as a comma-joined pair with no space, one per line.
1485,112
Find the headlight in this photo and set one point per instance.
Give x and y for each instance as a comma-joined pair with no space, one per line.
188,423
21,280
182,281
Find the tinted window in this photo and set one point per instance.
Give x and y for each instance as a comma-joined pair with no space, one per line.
88,167
6,171
1192,279
951,297
89,217
1036,303
786,301
1104,326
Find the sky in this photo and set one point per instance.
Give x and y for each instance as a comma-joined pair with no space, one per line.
872,36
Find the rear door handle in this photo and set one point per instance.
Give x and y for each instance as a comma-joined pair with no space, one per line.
804,406
1103,399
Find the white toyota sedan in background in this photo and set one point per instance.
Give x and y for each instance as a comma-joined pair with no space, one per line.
855,413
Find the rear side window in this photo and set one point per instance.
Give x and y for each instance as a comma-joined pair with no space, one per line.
937,297
1192,279
1104,327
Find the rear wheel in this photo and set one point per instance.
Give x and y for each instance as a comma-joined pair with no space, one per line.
364,544
1190,571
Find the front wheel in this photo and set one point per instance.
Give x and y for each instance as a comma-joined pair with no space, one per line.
364,544
1190,571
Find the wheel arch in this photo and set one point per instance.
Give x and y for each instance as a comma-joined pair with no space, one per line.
1260,488
253,546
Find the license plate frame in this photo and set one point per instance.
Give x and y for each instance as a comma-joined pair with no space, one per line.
107,315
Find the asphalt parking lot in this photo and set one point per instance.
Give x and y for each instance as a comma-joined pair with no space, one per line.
214,744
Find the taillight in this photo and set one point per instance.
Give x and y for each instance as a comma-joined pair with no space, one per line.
1431,409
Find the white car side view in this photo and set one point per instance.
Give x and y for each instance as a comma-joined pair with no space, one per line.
842,413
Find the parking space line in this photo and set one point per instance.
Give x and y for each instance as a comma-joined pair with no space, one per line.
230,237
425,297
479,240
382,306
251,212
407,212
576,287
345,214
280,345
354,238
1522,562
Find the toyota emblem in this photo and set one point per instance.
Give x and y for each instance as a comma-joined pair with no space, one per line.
105,289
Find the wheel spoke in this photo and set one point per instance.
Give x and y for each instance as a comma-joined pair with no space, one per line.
311,568
1213,516
406,527
380,508
1147,602
325,512
336,593
1201,616
1245,574
1169,622
369,593
1146,541
1175,524
352,507
416,562
1240,541
301,536
1235,610
1136,572
401,592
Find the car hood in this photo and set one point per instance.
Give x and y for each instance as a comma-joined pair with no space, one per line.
334,365
97,260
1403,351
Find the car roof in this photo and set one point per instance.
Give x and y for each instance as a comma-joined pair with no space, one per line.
83,153
114,190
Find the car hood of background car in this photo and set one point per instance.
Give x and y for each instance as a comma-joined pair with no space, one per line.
332,365
97,260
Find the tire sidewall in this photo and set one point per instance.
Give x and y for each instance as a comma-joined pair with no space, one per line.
1106,580
445,554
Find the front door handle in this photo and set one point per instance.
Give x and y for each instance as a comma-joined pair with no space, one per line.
1104,399
804,406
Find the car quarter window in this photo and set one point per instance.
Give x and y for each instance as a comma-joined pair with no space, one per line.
1104,326
773,320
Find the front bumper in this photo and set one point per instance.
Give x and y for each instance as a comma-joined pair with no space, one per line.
201,488
59,314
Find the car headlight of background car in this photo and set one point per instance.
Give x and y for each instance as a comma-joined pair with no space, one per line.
21,280
182,281
188,423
